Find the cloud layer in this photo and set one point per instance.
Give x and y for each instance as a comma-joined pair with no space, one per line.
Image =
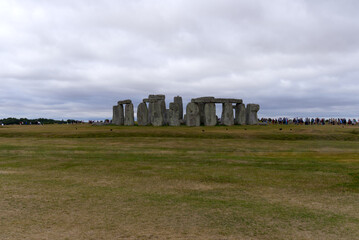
75,59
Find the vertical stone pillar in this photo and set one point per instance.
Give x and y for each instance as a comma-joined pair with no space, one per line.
157,114
192,115
201,112
178,100
227,114
129,115
142,114
240,117
210,118
115,115
163,112
251,114
118,118
174,114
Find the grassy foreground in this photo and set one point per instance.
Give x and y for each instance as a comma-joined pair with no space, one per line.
110,182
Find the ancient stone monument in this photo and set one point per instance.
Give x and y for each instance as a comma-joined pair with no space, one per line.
240,114
178,100
192,115
142,114
251,114
210,118
118,116
129,115
227,114
227,109
157,109
174,114
200,111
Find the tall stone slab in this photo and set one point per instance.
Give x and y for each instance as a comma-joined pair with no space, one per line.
163,111
210,118
174,115
227,114
178,100
251,114
118,118
142,114
201,112
192,115
129,115
157,115
240,114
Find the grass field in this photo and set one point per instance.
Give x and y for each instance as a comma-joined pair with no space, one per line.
242,182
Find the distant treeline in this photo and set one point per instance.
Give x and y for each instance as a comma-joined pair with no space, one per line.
25,121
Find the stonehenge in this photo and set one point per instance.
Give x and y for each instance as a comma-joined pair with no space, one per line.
240,118
142,114
193,118
210,118
129,118
174,114
227,114
199,111
251,114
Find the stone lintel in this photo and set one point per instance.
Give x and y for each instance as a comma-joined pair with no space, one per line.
203,100
228,100
216,100
127,101
156,97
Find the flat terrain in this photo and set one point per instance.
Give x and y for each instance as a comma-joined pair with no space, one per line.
110,182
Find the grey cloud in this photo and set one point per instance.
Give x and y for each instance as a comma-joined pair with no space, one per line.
77,58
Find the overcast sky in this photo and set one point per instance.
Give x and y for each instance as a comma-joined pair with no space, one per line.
75,59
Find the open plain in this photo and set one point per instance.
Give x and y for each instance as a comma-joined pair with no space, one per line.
239,182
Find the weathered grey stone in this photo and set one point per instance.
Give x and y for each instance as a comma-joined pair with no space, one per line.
154,98
192,115
228,100
240,114
251,114
157,97
227,114
118,118
203,100
129,115
210,118
142,114
157,114
178,100
127,101
166,117
201,112
215,100
174,115
163,110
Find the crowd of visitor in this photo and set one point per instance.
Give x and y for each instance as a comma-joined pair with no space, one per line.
310,121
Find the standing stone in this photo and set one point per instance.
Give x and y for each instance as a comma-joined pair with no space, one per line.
163,111
174,115
178,100
227,114
167,117
251,114
142,114
192,115
157,115
210,118
129,115
201,112
118,118
240,111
